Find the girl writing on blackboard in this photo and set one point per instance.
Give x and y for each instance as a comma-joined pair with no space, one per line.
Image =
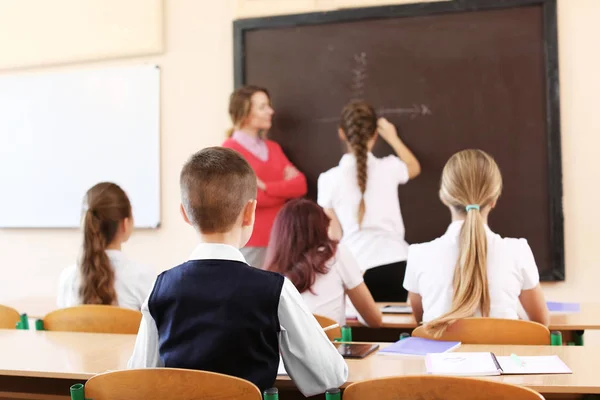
360,196
323,270
104,275
278,180
470,270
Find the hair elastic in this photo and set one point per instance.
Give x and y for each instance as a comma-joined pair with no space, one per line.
472,207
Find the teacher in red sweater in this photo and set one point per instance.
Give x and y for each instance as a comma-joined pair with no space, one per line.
278,180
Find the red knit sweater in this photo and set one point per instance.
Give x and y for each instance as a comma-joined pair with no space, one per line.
277,192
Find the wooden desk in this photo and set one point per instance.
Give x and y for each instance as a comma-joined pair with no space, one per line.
45,364
394,324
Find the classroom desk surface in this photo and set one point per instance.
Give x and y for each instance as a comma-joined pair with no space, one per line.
587,318
68,357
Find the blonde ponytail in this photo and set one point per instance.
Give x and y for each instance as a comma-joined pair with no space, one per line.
471,183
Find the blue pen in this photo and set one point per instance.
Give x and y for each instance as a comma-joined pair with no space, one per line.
517,360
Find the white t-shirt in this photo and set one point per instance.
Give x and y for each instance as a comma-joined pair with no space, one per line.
430,267
381,239
328,297
133,282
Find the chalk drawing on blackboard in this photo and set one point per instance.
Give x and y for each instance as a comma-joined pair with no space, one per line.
359,75
417,110
414,111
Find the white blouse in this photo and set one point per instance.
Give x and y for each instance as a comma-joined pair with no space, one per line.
430,268
380,240
133,282
327,296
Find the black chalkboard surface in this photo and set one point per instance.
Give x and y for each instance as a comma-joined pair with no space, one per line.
450,75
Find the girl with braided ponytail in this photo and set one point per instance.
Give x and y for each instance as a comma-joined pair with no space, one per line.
470,270
104,275
360,196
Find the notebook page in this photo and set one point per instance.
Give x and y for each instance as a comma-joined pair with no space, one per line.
461,364
533,365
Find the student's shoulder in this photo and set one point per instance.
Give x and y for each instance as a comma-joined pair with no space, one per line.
343,255
142,271
391,159
261,274
425,249
68,274
514,245
330,175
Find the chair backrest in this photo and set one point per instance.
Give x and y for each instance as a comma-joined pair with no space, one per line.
94,318
8,317
332,333
168,384
437,387
493,331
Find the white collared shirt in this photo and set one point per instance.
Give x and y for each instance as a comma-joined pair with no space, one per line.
380,241
133,282
430,268
327,296
310,359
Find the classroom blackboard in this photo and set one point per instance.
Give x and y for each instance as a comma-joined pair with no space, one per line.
450,75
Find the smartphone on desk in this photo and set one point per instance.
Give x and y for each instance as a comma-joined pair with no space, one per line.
356,350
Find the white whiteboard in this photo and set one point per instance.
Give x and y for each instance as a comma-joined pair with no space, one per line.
61,133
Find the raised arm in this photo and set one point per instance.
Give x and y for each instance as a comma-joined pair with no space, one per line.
388,132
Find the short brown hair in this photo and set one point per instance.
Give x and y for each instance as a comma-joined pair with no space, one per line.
216,183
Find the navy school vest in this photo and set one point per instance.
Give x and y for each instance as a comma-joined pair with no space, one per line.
219,316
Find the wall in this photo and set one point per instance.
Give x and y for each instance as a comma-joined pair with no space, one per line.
197,78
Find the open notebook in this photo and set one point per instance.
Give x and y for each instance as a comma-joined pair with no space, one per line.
487,364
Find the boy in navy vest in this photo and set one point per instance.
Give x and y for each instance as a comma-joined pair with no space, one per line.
215,312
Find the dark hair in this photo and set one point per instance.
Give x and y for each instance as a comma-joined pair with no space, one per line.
300,247
359,123
106,206
216,184
240,104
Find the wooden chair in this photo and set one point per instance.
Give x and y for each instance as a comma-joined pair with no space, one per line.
437,387
8,317
331,328
493,331
168,384
94,318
